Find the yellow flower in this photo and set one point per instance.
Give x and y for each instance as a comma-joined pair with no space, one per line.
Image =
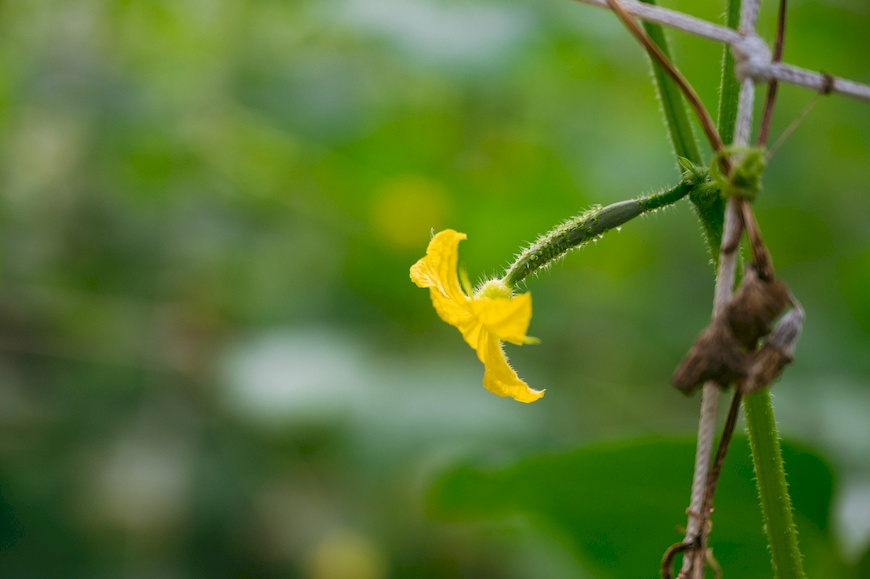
485,318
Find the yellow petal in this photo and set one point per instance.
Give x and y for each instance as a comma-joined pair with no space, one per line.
457,313
498,377
474,333
437,269
438,272
507,320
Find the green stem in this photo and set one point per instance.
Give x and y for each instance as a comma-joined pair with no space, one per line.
711,212
772,487
710,209
757,408
676,116
729,87
590,225
766,452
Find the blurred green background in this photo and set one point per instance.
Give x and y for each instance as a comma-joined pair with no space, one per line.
213,363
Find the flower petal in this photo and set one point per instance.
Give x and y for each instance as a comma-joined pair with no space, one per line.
438,272
498,377
458,314
507,320
437,269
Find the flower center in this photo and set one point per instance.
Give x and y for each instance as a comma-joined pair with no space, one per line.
494,289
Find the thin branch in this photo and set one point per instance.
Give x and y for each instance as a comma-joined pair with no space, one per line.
653,50
696,527
782,72
793,125
670,554
819,81
673,105
748,15
760,255
721,451
701,472
693,566
743,126
772,85
674,19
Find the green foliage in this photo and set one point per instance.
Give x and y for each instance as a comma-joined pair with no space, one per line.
617,506
211,354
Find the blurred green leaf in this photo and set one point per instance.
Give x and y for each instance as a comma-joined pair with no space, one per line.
618,506
862,569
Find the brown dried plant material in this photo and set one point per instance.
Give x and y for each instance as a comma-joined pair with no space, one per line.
765,365
757,303
715,355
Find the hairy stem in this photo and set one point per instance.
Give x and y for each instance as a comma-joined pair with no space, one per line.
728,83
734,123
664,61
763,436
679,128
586,227
772,488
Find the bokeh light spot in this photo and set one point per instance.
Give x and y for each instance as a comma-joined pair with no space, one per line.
345,555
405,206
